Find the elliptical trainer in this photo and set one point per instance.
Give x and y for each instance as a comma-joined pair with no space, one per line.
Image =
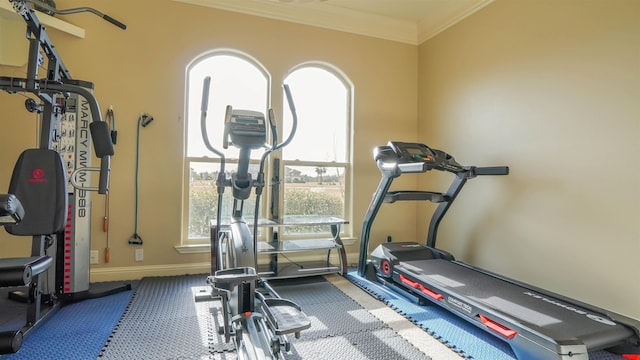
257,318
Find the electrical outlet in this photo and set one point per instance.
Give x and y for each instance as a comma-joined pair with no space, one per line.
94,257
139,254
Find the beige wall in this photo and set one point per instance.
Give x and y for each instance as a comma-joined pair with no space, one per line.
142,69
551,89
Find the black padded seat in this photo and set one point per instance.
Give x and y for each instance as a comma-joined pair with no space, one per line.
36,202
35,206
20,271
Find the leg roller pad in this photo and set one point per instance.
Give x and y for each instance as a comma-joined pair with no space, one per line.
10,341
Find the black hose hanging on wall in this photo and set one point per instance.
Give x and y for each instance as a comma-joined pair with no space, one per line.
143,121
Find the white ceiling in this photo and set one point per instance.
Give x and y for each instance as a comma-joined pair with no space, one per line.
407,21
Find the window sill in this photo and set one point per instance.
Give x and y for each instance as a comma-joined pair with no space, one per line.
193,248
348,240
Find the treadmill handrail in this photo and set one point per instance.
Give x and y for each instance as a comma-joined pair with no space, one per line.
412,195
388,158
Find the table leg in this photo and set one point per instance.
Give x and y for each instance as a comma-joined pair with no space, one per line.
335,233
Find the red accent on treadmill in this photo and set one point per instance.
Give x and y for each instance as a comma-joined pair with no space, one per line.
386,267
432,294
406,280
631,356
499,328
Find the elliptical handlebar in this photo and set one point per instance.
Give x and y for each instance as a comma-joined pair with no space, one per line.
228,113
204,106
294,126
244,152
225,133
272,125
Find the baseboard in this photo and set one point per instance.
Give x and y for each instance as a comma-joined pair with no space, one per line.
138,272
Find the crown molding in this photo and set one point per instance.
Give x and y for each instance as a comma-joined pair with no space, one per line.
322,16
317,14
427,31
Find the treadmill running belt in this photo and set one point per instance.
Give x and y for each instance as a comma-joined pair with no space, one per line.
551,316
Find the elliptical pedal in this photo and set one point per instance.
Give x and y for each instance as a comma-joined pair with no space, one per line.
285,316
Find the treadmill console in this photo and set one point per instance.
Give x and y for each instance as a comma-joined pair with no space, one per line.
412,152
405,157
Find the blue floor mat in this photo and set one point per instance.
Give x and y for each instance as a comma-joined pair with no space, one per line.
89,323
164,322
459,335
462,337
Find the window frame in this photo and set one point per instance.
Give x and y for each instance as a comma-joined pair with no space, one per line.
186,240
198,244
346,231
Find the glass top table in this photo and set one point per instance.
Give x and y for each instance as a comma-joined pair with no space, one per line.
313,243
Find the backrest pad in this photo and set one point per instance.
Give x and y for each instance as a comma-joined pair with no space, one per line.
39,181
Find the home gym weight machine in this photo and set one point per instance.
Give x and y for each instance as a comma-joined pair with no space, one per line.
257,318
535,323
71,122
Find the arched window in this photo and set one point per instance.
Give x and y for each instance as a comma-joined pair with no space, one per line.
238,80
316,164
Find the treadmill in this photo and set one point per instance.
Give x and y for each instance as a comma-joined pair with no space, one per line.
535,323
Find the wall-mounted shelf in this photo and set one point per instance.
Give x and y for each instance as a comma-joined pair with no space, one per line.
13,46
